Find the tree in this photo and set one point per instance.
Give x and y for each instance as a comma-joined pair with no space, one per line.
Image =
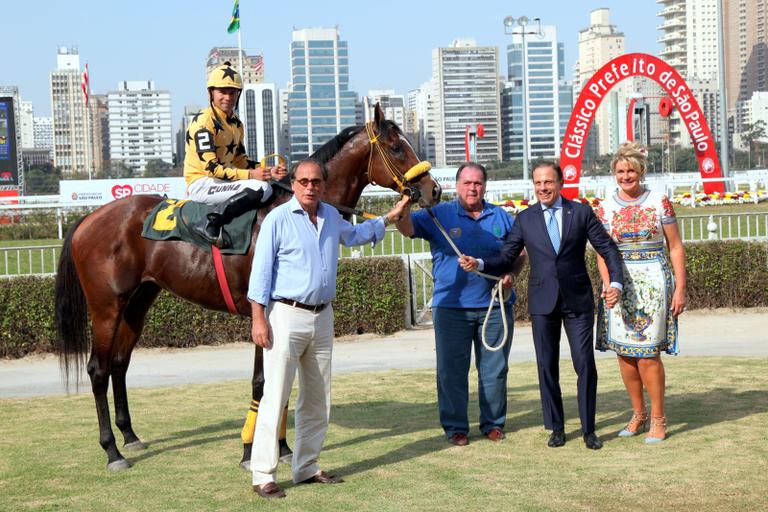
116,170
752,133
42,179
157,168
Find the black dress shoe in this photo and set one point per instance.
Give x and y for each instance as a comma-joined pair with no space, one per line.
323,478
592,442
557,439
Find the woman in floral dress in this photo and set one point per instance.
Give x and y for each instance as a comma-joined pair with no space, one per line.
644,322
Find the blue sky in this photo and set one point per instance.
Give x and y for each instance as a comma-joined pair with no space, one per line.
390,42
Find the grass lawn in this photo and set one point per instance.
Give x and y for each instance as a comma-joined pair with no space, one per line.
385,441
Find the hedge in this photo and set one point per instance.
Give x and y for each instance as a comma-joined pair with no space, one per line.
372,297
720,274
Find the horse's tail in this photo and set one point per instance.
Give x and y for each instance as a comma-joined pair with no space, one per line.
71,312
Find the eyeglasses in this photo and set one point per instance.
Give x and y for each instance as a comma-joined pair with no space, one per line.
304,182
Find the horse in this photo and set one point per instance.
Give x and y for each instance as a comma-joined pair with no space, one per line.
111,275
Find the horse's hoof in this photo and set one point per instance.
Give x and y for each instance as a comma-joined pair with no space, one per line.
245,464
118,465
134,446
286,457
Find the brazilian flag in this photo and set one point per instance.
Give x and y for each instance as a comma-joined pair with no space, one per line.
234,23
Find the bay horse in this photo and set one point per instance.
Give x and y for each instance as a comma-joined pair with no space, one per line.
107,272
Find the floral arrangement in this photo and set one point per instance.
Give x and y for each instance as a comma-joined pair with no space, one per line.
515,206
702,199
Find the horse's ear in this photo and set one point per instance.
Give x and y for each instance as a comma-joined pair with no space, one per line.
378,114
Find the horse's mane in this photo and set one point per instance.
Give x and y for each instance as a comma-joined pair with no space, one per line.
328,150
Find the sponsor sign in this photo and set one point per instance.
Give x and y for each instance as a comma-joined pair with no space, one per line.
597,88
9,162
97,192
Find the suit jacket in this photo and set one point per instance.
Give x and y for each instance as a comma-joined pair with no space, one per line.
555,273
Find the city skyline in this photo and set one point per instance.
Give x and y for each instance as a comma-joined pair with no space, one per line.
130,42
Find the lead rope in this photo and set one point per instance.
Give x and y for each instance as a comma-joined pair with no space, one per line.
497,294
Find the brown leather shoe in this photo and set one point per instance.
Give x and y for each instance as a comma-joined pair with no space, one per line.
269,490
495,434
459,439
322,478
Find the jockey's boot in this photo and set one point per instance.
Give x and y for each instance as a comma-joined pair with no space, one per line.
238,204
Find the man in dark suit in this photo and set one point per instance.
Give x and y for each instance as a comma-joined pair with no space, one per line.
554,233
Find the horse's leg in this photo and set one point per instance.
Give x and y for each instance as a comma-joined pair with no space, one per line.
257,391
128,333
99,367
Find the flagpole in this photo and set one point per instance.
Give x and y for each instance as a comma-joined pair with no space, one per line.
241,57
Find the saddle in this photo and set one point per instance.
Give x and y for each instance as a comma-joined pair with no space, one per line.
172,219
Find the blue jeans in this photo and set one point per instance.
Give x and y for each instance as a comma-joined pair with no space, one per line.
456,332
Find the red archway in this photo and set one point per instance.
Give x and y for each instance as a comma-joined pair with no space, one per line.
596,89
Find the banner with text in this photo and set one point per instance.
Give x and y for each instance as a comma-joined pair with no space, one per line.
596,89
98,192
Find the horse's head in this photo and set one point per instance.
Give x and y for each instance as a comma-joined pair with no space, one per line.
393,163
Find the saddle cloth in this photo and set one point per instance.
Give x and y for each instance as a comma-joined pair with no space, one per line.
172,219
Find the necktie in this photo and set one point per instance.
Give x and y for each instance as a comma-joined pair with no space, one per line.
553,229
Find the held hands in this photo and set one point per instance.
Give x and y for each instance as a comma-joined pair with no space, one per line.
468,263
611,296
261,333
507,280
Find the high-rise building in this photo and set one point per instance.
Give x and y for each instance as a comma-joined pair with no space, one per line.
746,52
430,120
675,35
71,141
600,43
139,124
690,45
752,111
466,79
393,106
27,125
253,65
43,132
549,96
259,113
320,103
181,134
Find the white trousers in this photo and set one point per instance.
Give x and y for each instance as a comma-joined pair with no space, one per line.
303,341
214,191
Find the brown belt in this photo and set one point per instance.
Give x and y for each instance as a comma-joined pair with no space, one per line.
297,304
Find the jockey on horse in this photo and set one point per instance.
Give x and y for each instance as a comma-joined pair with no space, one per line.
216,168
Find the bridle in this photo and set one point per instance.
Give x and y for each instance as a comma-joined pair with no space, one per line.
406,183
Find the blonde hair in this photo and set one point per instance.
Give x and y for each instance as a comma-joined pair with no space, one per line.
632,153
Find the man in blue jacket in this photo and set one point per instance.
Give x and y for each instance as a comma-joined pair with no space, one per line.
554,233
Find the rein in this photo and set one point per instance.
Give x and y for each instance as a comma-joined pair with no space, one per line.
497,294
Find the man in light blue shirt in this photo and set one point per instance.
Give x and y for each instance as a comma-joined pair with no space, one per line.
292,283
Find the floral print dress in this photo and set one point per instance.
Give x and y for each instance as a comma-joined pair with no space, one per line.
641,324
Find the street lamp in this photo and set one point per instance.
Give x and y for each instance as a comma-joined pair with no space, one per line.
509,29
